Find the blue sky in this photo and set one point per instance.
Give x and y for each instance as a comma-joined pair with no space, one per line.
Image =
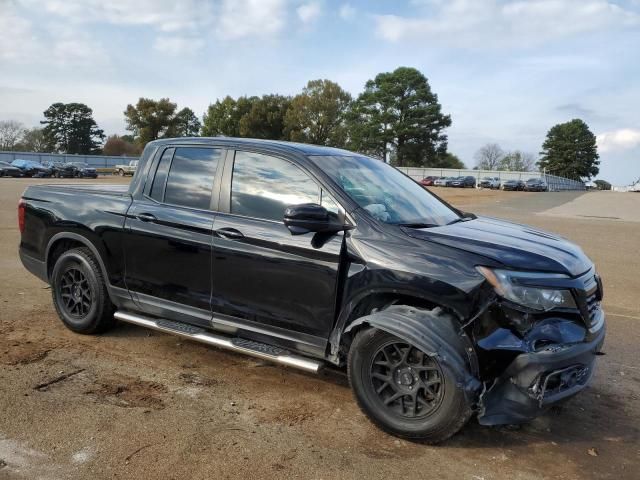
506,70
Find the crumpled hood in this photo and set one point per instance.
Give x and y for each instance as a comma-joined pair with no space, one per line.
513,245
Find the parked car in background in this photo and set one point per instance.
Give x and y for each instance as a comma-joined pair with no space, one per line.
444,181
128,169
463,182
428,181
30,168
78,170
535,185
54,167
8,170
513,185
490,182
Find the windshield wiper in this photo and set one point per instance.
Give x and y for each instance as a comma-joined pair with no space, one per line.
417,225
461,219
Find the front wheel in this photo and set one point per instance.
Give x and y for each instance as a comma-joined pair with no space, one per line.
403,390
79,293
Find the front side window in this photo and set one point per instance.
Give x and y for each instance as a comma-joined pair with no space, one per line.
190,178
264,186
386,193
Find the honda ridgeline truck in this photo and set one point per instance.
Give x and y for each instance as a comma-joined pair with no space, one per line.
310,256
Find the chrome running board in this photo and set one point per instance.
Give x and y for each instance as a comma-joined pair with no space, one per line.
248,347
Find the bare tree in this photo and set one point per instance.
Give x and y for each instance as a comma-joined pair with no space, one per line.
517,161
10,134
488,157
32,141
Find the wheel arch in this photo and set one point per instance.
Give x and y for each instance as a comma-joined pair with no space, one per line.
372,301
73,240
436,332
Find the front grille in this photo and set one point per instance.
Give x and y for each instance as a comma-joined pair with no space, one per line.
593,305
590,299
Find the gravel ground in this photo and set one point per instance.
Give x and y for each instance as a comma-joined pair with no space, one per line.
140,404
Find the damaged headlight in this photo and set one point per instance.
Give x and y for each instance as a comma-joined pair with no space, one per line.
506,284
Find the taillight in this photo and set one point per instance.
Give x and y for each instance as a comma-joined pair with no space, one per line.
21,208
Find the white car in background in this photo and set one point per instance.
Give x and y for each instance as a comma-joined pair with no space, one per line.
490,182
128,169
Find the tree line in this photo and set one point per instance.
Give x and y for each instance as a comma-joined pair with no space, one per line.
569,151
397,118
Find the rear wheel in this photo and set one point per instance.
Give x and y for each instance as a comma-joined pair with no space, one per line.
403,390
80,294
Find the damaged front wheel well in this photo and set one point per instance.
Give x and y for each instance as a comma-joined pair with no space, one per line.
373,304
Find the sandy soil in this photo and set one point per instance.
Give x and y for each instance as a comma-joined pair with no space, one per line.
139,404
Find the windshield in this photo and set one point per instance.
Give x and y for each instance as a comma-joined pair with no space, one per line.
385,192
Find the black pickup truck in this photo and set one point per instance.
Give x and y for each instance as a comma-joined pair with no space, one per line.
311,256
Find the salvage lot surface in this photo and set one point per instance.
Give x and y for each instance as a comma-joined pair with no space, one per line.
140,404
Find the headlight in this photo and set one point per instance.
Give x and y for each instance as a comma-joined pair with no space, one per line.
505,283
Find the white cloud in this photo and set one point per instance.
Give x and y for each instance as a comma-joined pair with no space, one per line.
619,140
164,15
229,19
249,18
308,12
347,11
55,43
494,23
175,45
17,40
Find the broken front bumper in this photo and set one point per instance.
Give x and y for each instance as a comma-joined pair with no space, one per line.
534,381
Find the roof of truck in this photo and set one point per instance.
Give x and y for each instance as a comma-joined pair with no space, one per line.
305,148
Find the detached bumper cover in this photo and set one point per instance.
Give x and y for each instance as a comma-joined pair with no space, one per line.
535,381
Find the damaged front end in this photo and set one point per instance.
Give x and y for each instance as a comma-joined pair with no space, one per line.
535,346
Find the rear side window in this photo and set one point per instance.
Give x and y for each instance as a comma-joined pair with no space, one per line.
190,178
160,178
264,186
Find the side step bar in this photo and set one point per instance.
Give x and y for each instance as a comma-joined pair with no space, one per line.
248,347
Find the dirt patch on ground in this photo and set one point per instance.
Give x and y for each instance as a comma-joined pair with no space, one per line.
21,352
192,378
289,415
128,392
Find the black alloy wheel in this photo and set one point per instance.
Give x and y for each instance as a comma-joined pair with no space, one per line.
80,293
408,382
75,292
405,391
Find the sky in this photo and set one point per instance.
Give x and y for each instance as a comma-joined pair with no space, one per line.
505,70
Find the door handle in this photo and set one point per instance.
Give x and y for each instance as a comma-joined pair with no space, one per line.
146,217
230,233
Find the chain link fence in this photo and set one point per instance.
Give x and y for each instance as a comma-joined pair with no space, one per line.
554,183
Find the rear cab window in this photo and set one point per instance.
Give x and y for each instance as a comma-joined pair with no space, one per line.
184,176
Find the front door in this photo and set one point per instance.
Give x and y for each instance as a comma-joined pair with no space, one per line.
262,273
169,235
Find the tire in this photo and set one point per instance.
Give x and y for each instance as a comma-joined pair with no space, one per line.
80,294
448,410
121,172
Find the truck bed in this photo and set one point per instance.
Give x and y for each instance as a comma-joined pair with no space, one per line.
90,214
36,191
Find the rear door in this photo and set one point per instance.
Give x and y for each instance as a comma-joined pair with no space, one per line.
263,275
169,234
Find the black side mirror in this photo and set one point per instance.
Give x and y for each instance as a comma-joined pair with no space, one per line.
310,217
